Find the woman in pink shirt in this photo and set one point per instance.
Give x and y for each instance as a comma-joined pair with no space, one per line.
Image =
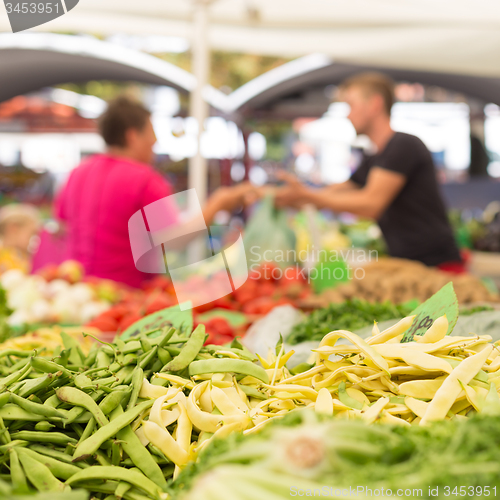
107,189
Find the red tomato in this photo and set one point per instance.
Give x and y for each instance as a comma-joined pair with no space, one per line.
128,320
219,325
161,302
104,323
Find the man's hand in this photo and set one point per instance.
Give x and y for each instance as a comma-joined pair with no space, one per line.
230,198
293,193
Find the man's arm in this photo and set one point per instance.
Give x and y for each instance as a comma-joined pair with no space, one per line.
370,201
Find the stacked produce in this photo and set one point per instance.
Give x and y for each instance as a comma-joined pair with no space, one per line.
399,281
35,300
47,341
268,287
349,315
305,454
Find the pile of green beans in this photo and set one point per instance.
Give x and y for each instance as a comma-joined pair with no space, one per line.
69,422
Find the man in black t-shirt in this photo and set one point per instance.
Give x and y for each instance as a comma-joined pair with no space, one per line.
396,185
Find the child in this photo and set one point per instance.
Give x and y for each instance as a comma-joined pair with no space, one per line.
19,223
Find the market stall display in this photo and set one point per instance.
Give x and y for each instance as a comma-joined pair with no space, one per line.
132,414
35,300
399,281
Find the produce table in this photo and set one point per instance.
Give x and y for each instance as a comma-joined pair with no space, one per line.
158,414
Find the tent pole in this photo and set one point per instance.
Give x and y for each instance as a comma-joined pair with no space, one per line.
197,176
197,168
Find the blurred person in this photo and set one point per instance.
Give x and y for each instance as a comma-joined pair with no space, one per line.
19,223
103,193
396,184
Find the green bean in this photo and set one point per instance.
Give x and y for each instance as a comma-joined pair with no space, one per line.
44,437
102,459
137,379
222,365
147,358
102,359
189,351
121,489
39,475
252,392
138,453
45,366
43,426
116,453
4,398
164,356
5,436
117,474
14,412
58,455
112,400
92,444
13,444
73,415
60,470
124,376
145,344
35,385
17,474
173,351
83,382
13,352
77,397
91,358
37,408
53,401
71,343
15,377
89,429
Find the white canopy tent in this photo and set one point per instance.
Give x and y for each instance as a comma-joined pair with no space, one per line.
460,36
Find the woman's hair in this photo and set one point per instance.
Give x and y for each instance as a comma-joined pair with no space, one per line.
122,114
373,83
19,214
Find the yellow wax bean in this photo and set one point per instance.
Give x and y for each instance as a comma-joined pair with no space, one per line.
236,398
372,412
206,403
290,395
357,395
459,405
369,352
206,421
417,406
450,390
422,389
291,388
265,364
436,332
473,397
168,417
333,365
399,410
301,376
407,370
149,391
285,358
324,403
184,430
394,331
396,340
375,329
417,359
162,439
286,404
223,403
181,382
388,418
155,413
372,385
142,437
